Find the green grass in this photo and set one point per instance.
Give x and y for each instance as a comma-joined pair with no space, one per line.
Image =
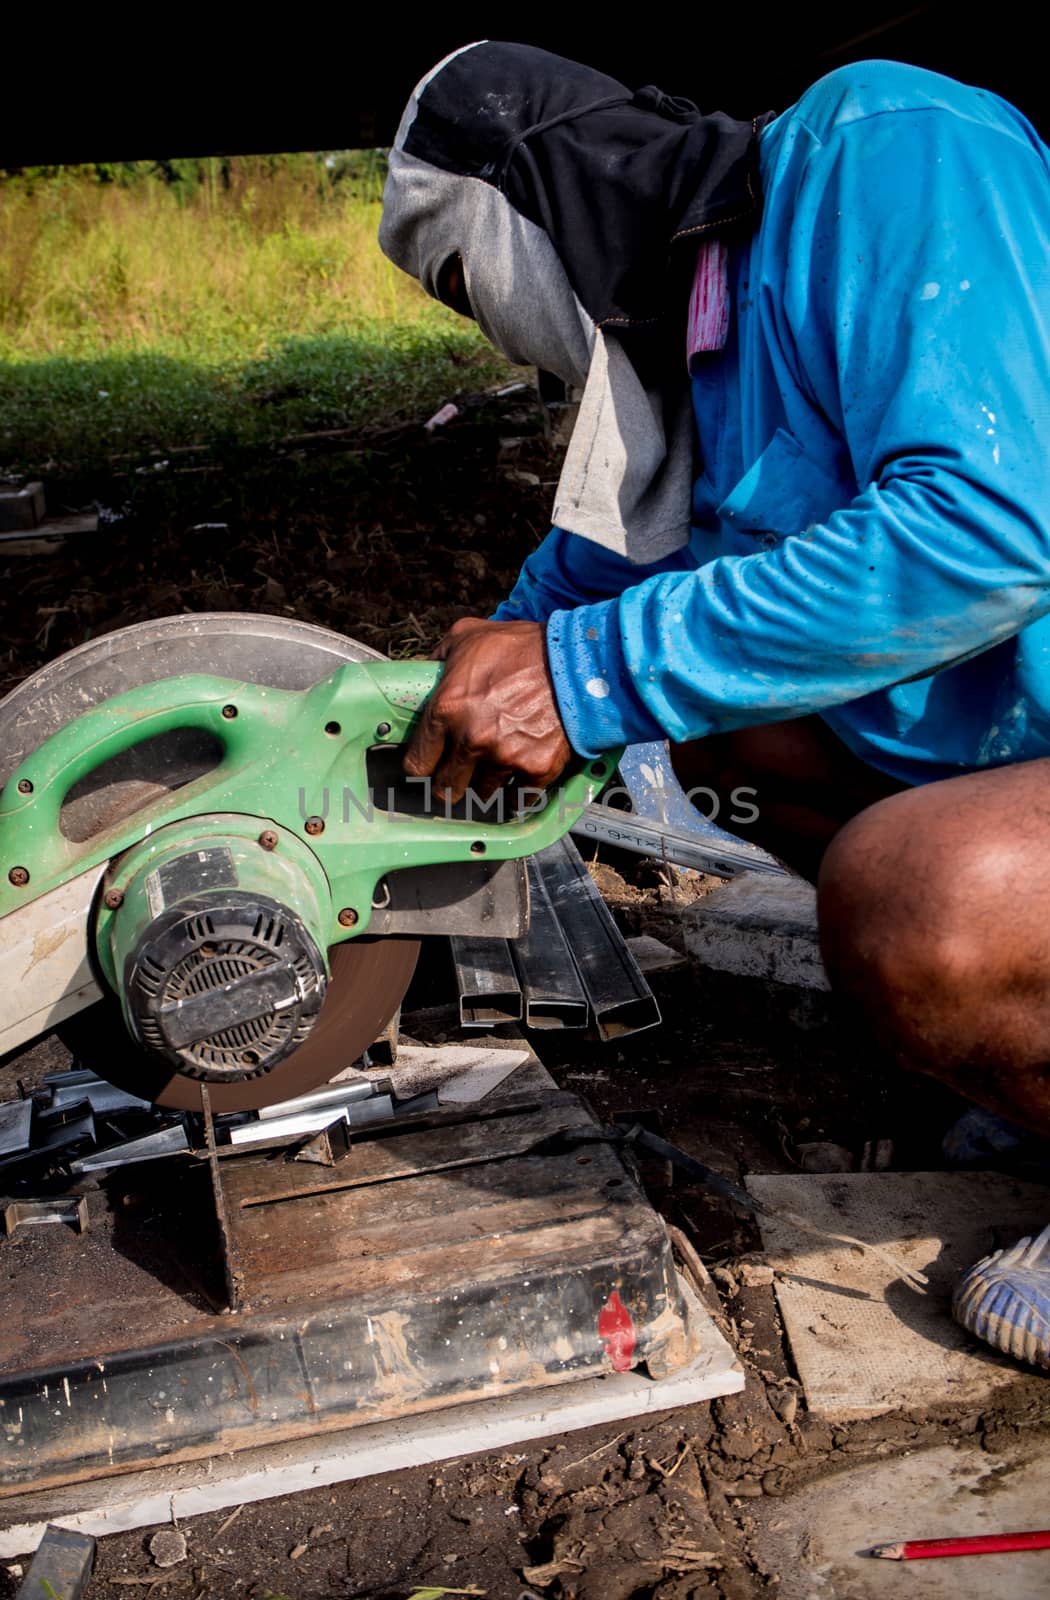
154,313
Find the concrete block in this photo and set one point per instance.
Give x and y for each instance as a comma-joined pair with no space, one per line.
21,508
759,926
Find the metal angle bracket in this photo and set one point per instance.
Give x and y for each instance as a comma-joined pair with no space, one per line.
71,1209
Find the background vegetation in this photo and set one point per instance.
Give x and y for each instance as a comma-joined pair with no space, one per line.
228,304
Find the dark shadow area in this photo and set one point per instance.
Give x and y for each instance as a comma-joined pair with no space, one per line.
386,539
741,60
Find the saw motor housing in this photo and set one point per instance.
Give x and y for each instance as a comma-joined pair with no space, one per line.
216,949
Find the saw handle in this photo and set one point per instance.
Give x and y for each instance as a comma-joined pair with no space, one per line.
263,732
226,708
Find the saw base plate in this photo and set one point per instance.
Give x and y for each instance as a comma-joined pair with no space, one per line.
394,1288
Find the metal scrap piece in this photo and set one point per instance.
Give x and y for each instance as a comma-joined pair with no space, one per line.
105,1099
170,1141
278,1130
55,1137
333,1096
16,1119
67,1208
326,1148
61,1568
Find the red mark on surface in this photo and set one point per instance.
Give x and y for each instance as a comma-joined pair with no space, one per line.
616,1331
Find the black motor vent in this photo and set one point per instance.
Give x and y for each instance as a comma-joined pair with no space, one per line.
225,987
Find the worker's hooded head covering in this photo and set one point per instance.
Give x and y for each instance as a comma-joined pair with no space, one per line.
572,202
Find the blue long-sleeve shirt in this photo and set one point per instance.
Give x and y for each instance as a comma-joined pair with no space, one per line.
871,534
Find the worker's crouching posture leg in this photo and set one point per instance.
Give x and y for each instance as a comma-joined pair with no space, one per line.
934,912
934,900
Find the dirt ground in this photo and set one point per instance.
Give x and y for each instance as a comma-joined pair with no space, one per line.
390,544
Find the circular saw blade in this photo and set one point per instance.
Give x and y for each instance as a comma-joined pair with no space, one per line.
368,976
369,979
277,652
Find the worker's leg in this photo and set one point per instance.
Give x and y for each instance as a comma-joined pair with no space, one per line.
934,907
934,901
788,787
935,917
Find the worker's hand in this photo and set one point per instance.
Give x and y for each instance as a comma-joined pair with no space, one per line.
494,713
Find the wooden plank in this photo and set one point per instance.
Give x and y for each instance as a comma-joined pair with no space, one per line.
392,1218
46,537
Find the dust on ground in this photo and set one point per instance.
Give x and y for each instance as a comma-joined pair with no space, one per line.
391,542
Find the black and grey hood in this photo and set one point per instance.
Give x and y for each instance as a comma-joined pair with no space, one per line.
572,203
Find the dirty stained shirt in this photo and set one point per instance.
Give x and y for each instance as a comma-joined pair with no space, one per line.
871,524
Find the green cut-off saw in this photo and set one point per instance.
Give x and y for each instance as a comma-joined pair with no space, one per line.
213,870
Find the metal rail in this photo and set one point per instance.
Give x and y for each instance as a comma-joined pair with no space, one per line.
720,854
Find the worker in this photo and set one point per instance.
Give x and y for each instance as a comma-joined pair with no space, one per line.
802,530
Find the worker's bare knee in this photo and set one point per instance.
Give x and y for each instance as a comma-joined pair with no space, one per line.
907,918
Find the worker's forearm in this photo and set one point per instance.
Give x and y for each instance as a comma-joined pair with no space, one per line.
911,578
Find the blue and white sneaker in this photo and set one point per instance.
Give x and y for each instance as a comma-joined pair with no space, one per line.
1005,1300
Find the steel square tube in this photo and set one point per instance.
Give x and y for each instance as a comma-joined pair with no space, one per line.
621,1001
487,981
550,985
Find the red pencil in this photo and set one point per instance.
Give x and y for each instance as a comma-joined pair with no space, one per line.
981,1544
